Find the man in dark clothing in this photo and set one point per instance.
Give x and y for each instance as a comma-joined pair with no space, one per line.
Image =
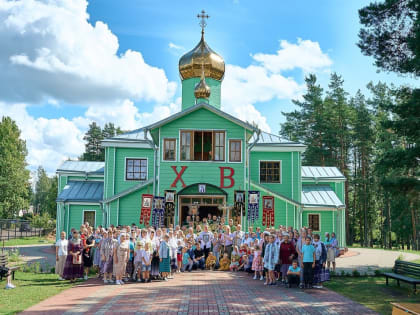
199,260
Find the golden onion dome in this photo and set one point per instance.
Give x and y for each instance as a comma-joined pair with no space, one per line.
202,90
190,64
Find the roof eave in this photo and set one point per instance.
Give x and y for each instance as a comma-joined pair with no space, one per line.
196,107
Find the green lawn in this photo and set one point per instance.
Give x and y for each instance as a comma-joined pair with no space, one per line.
31,288
27,241
372,292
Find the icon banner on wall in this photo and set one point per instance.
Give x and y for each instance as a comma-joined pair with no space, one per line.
169,207
239,196
268,211
146,207
253,205
158,211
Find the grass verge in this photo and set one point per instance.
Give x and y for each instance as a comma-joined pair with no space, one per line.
33,240
373,293
31,288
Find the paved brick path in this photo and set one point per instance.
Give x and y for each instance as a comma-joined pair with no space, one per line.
196,293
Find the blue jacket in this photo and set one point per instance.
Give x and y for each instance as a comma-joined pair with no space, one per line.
191,253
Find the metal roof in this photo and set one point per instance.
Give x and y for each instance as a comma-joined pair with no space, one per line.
269,138
321,172
196,107
82,167
82,191
320,196
137,134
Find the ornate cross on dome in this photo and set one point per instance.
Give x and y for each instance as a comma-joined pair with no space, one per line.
203,16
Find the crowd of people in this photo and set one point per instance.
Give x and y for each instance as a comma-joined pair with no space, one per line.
120,254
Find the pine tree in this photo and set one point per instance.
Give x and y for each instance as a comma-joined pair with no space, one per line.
14,177
338,137
93,138
363,146
403,158
309,125
110,131
44,199
391,34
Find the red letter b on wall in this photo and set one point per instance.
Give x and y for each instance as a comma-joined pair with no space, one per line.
223,177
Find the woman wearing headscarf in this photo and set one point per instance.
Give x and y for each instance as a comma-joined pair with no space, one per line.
73,268
165,257
107,253
121,256
155,254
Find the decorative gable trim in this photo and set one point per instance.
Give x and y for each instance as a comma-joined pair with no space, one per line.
197,107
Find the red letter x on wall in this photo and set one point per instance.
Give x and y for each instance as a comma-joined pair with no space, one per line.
223,176
179,176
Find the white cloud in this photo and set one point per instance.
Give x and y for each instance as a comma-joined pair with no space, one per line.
175,47
51,51
244,87
51,54
49,141
306,55
127,116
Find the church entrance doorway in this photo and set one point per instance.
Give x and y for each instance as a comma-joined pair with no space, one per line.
199,200
199,207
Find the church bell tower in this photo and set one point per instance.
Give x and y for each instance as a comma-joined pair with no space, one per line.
201,71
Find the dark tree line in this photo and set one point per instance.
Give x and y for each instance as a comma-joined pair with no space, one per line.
93,138
373,140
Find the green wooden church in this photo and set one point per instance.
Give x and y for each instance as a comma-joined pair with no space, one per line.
199,162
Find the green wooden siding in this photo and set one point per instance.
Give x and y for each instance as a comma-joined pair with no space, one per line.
327,221
202,172
115,174
76,216
188,98
290,181
284,213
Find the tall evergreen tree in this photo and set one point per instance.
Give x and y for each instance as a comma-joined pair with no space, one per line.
363,147
338,138
44,198
309,124
391,34
14,177
110,131
93,138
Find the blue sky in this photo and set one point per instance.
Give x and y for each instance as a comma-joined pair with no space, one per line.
237,29
64,70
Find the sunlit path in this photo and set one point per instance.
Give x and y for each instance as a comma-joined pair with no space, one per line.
197,293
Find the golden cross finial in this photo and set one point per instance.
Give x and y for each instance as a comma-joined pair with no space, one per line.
203,16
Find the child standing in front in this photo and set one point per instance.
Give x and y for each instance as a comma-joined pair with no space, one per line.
257,265
308,262
146,262
137,261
